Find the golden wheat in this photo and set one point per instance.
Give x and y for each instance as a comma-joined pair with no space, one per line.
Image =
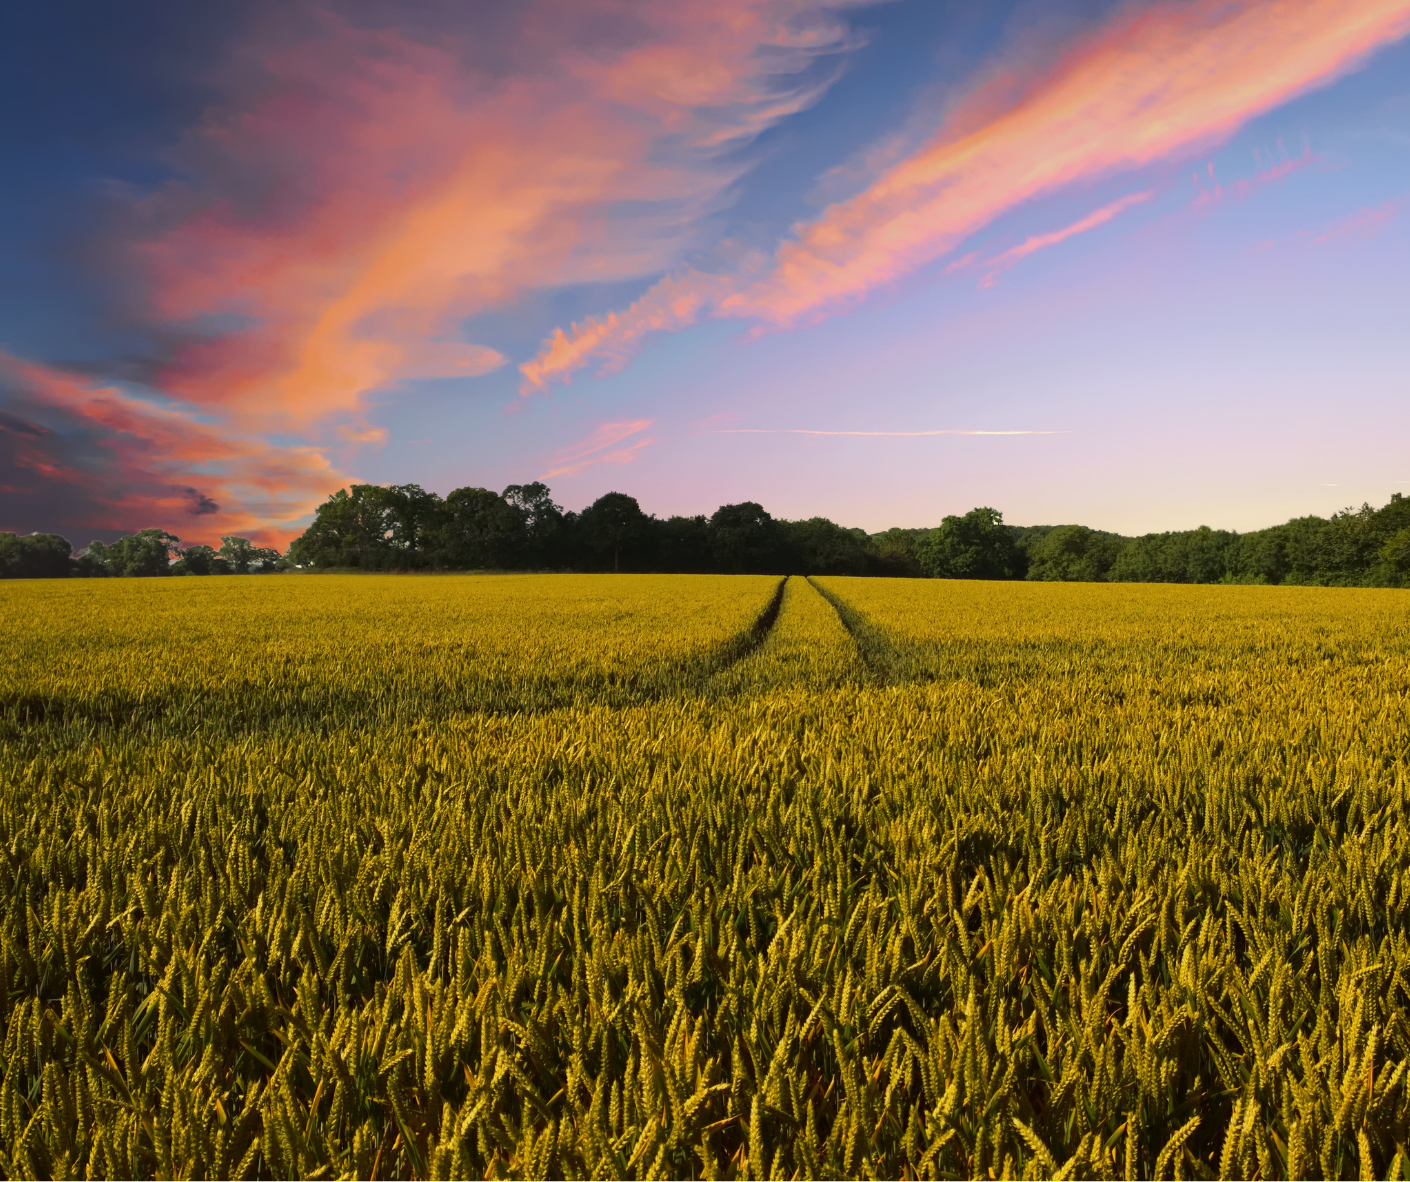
595,877
249,654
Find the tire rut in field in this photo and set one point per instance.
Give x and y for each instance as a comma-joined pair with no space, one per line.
22,714
873,645
719,677
758,632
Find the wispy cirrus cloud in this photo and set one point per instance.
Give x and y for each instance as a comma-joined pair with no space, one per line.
1099,217
419,190
1035,242
1364,223
1242,187
600,447
609,341
358,189
1157,81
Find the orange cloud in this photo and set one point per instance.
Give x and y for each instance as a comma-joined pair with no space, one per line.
600,448
419,191
356,194
674,303
1036,242
158,466
1158,81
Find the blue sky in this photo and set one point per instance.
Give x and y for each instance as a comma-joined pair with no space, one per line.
1141,266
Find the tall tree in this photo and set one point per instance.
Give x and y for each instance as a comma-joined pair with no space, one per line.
1072,553
147,552
1190,556
975,546
614,523
241,554
895,552
1393,567
353,527
682,544
37,556
822,547
200,560
480,529
744,539
542,522
413,515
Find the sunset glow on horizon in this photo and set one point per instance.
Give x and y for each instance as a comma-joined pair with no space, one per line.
1138,265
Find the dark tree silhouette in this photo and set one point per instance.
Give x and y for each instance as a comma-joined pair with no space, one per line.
613,522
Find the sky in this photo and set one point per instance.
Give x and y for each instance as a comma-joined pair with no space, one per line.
1142,265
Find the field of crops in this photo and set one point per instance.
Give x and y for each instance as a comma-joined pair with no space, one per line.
674,876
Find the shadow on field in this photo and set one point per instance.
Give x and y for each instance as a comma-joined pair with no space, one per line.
301,703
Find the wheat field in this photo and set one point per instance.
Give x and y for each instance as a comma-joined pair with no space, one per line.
677,876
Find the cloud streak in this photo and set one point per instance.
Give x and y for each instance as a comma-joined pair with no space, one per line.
1036,242
1158,81
358,190
1364,223
869,434
1246,186
426,190
609,341
601,448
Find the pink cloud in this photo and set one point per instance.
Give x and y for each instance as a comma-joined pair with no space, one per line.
1157,81
1097,218
1246,186
712,424
674,303
963,263
1037,242
162,466
600,448
356,193
1364,223
1276,172
417,190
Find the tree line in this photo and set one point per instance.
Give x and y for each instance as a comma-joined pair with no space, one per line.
405,528
147,552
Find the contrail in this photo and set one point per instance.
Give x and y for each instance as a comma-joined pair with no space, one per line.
886,434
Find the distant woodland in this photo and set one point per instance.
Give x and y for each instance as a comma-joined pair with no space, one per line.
404,528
